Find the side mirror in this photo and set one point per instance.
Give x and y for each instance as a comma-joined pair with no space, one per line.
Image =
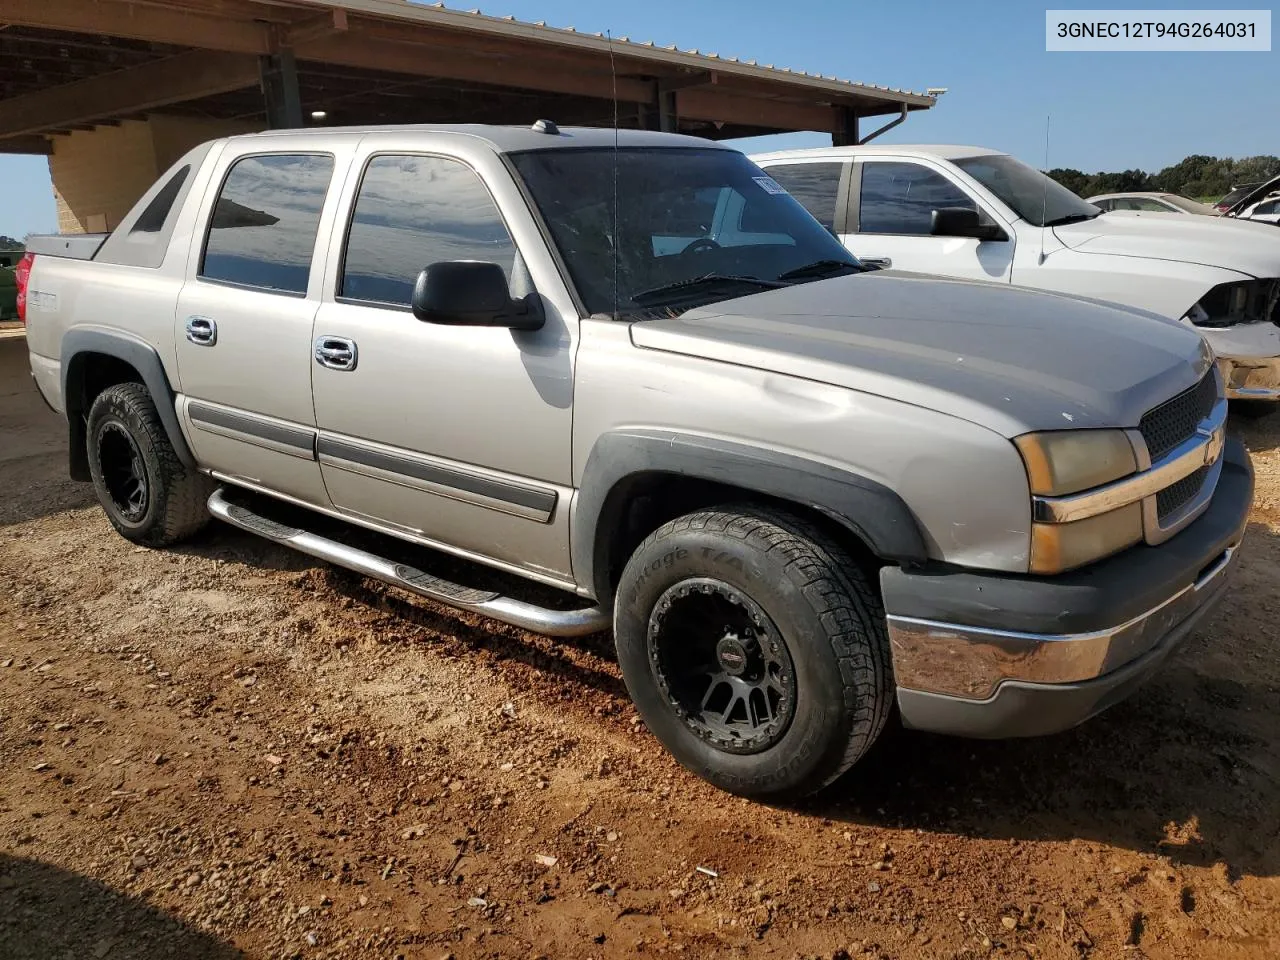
471,293
963,222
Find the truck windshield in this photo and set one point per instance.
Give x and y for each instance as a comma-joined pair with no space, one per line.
1037,199
693,226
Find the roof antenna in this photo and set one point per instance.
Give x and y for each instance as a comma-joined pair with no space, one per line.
613,73
1044,200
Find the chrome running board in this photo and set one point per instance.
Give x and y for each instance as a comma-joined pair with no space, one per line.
552,623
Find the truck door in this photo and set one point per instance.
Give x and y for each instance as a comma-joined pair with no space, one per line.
454,436
890,213
245,314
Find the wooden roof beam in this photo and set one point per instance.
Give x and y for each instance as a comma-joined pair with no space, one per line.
710,103
116,18
186,76
457,63
40,146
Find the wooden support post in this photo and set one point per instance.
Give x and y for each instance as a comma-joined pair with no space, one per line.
846,132
279,73
668,118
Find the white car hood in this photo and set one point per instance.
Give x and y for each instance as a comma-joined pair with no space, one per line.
1249,248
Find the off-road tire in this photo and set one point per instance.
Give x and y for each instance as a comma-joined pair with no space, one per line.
175,497
826,611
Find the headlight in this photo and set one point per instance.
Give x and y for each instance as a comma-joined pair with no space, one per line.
1064,462
1068,461
1056,547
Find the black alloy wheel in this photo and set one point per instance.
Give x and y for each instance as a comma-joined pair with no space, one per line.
123,473
722,664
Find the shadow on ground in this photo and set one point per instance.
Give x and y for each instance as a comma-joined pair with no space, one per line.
1259,433
47,913
1188,768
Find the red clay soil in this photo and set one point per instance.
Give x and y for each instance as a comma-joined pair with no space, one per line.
228,750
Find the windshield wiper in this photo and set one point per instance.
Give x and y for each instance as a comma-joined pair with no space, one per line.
1072,218
677,291
819,268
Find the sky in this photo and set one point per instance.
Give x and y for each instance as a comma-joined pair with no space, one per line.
1105,111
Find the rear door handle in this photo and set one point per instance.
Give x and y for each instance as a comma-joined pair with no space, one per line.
336,353
202,331
882,263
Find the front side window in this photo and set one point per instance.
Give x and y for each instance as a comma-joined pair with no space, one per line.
673,228
263,229
412,212
900,197
815,185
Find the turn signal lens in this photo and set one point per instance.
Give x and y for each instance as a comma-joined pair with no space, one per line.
1056,547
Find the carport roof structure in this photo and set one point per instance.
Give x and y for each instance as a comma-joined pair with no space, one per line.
75,64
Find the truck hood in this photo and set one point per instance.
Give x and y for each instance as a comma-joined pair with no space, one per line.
1010,359
1212,241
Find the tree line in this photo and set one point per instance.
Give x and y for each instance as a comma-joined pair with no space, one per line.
1195,176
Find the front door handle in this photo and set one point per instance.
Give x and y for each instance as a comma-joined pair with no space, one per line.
880,263
336,353
202,331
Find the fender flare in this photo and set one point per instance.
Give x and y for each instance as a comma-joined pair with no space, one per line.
866,508
77,345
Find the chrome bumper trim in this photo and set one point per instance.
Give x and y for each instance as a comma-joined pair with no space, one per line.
971,662
1204,448
1251,378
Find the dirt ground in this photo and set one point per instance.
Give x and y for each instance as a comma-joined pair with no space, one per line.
229,750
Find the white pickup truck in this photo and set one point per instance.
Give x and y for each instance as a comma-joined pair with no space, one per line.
978,214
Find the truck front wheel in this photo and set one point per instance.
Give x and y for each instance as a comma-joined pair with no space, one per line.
754,649
145,491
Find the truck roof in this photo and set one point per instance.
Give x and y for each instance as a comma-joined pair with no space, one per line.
505,139
944,151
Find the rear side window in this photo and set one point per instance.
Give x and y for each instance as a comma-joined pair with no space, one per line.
901,197
263,229
152,219
142,238
412,212
815,185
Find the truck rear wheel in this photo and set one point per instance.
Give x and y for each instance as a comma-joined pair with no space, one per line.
145,491
755,649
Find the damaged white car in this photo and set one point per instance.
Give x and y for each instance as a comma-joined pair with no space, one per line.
1261,204
980,214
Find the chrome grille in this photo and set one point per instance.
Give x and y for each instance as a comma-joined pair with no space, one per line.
1176,496
1175,420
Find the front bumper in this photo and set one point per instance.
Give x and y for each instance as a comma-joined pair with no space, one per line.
1004,655
1251,378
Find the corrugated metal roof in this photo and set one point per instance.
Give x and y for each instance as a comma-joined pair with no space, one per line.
474,20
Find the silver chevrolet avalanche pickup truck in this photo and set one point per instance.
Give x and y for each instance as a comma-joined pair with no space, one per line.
637,372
